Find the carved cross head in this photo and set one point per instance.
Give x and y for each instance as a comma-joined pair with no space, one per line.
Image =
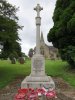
38,9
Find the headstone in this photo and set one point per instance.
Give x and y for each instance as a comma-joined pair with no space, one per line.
1,46
21,60
13,61
38,78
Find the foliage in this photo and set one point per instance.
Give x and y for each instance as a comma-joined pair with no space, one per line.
25,56
62,35
9,29
11,56
69,54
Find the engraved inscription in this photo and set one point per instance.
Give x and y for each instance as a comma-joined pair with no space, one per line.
38,64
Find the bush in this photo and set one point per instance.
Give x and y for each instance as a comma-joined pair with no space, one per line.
68,54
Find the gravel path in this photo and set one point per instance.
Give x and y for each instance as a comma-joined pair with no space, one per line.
64,90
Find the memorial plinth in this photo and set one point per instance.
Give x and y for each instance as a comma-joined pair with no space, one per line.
38,78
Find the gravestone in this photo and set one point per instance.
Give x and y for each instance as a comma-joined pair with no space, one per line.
1,45
13,61
21,60
38,78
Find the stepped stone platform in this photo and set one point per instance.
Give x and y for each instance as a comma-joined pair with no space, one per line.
64,90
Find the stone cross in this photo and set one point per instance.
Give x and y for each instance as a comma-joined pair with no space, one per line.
38,23
38,78
38,9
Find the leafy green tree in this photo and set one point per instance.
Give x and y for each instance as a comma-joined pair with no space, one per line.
62,35
9,29
25,56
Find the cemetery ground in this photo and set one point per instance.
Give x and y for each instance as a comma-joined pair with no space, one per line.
11,76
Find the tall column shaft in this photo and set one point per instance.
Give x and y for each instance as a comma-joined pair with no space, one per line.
38,23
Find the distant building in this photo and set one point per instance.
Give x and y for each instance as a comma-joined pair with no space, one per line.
49,52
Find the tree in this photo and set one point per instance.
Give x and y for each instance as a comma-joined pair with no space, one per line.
9,29
25,56
30,53
62,35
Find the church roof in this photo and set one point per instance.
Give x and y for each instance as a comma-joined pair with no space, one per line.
50,47
42,38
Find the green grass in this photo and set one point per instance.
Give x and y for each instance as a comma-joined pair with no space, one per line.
57,68
60,69
9,71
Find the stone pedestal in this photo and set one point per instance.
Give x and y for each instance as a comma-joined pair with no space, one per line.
38,78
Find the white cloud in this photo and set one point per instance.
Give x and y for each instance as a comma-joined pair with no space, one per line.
27,16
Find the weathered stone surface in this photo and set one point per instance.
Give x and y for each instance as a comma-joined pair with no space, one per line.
38,78
21,60
38,66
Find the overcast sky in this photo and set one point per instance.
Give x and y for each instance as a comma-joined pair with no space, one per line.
27,16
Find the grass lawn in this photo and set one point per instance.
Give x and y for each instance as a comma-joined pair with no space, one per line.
9,71
60,69
57,68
